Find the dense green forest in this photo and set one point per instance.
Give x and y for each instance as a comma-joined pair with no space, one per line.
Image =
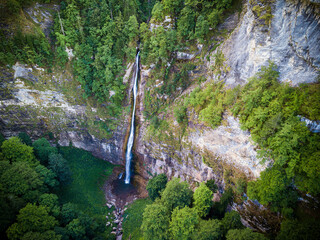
45,194
175,212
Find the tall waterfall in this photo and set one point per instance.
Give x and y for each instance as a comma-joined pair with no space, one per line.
131,136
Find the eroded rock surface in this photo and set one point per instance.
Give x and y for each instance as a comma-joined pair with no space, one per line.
291,41
38,110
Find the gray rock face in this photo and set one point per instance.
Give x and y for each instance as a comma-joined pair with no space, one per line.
292,41
314,126
229,145
38,112
40,15
110,150
22,71
185,56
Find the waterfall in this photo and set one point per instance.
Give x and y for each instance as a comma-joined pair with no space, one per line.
131,136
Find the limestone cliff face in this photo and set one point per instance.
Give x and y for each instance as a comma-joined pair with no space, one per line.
34,101
291,40
198,154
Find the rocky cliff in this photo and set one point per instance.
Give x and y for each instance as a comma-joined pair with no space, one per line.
49,103
42,103
291,39
39,102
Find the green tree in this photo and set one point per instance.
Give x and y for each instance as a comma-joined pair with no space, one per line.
14,150
219,208
155,222
202,200
172,7
68,213
47,176
231,220
212,185
244,234
132,28
60,167
51,202
186,23
273,188
183,223
2,139
22,180
31,218
180,113
176,194
296,230
75,229
43,149
156,185
202,28
157,12
208,230
47,235
25,138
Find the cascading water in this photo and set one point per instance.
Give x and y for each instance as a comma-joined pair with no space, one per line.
131,136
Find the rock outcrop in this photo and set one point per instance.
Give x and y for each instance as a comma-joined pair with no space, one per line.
198,155
291,41
30,101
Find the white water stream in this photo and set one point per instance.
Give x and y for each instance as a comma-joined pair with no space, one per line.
131,136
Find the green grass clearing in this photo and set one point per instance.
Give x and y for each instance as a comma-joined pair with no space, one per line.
88,176
133,219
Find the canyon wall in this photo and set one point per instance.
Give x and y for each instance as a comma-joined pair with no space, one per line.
39,102
291,41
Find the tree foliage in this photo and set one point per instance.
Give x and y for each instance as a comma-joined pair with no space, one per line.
60,167
24,137
183,223
294,230
14,150
231,220
208,230
202,200
273,188
156,185
176,194
43,149
155,222
22,181
244,234
31,219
